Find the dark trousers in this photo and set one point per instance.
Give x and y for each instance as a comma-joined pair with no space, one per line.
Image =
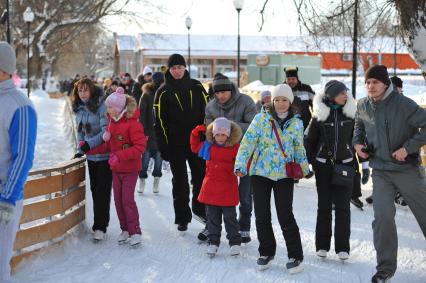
100,184
158,163
342,224
181,186
214,218
246,203
283,195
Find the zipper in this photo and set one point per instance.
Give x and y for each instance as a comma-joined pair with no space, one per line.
387,135
336,136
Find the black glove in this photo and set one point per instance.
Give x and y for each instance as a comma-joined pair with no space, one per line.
77,155
365,176
309,175
84,146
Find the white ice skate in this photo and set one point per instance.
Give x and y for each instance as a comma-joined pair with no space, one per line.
155,187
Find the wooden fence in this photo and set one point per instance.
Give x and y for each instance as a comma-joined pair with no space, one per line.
54,203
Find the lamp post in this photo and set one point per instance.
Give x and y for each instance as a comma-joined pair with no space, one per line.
28,18
188,23
238,4
395,26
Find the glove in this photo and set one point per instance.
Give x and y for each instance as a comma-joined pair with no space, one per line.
113,160
7,211
84,146
365,176
310,174
77,155
200,128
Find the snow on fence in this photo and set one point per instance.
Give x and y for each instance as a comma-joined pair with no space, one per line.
54,203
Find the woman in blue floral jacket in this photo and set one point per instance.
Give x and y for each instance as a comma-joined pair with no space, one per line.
261,156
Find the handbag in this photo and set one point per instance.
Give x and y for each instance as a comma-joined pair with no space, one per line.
293,169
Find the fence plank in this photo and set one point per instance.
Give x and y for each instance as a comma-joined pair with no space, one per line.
73,198
41,209
73,178
43,186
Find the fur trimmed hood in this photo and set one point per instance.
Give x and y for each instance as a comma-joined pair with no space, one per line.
234,138
131,106
321,111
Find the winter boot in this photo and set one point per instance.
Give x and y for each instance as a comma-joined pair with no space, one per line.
141,188
343,255
322,253
245,237
294,266
182,227
123,238
381,277
155,188
203,235
235,250
264,262
135,240
212,250
98,236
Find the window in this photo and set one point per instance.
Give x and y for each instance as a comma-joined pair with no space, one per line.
347,57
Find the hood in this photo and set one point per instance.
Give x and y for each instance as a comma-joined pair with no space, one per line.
234,138
235,95
321,111
150,87
168,78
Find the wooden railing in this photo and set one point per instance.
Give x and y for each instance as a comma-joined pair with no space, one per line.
54,203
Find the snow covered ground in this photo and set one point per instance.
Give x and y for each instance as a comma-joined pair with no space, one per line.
166,256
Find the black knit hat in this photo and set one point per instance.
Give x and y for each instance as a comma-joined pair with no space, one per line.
222,83
378,72
291,72
176,59
333,88
396,81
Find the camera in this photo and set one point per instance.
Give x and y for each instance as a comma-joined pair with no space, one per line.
369,149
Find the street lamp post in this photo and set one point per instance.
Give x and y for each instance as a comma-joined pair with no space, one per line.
188,23
395,26
28,18
238,4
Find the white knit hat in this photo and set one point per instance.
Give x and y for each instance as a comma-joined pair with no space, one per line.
282,90
7,58
146,70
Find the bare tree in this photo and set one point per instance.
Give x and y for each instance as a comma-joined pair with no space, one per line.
57,24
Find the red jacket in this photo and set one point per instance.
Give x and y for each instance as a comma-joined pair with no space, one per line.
127,140
220,185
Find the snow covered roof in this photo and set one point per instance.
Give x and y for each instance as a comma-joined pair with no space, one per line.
226,45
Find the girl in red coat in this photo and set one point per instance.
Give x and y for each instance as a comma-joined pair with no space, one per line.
126,141
220,186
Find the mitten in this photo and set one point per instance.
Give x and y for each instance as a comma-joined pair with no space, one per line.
106,136
113,160
365,176
84,146
77,155
7,211
198,129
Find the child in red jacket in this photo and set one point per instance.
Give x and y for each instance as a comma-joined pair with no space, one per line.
126,141
220,186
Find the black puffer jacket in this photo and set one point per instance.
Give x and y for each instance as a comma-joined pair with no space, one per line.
303,96
179,106
330,131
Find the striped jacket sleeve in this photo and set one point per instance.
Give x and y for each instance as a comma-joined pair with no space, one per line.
23,133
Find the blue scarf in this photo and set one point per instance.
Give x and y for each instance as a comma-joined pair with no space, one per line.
204,152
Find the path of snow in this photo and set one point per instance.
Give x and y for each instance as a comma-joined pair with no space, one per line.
166,256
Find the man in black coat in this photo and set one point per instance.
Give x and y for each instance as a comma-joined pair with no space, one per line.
179,106
303,94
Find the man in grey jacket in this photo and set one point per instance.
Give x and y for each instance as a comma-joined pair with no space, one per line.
228,102
391,124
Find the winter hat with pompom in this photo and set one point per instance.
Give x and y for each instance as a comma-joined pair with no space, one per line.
116,100
222,126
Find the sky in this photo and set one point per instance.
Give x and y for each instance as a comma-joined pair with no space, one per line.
209,17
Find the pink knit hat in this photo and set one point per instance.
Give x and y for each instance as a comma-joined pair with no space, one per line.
222,126
116,100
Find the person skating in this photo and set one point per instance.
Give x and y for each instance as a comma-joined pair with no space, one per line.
394,141
276,129
126,142
18,132
219,191
329,144
179,106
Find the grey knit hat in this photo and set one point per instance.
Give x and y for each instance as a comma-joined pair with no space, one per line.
7,58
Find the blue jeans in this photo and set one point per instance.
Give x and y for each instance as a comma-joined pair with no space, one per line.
158,162
246,203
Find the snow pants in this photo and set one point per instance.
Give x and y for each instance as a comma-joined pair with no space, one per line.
214,218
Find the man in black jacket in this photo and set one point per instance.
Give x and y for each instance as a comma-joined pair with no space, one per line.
179,106
303,94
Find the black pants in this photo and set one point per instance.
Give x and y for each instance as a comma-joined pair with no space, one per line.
100,184
341,196
283,195
214,216
181,186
